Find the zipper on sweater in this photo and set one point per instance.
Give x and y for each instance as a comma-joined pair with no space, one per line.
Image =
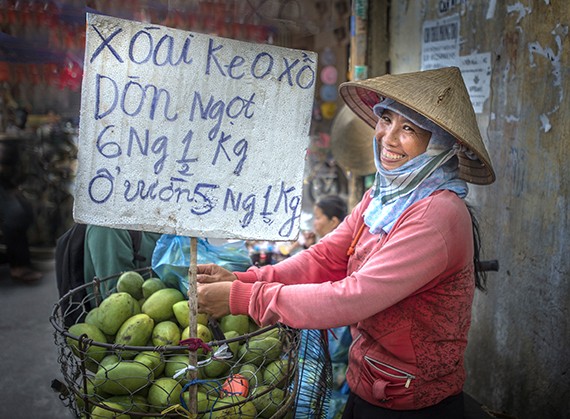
401,376
354,341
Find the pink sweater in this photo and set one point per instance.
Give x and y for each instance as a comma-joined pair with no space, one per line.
407,296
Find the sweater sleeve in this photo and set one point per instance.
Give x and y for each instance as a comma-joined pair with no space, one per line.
428,240
324,261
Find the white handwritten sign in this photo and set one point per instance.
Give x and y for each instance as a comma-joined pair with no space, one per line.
191,134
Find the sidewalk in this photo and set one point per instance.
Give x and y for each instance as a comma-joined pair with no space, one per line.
29,354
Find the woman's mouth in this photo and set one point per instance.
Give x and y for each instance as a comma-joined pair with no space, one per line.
388,155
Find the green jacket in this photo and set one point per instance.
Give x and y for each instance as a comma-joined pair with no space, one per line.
109,251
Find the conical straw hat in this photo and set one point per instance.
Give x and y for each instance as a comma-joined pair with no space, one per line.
351,143
439,95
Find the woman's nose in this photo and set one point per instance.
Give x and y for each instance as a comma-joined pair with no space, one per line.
390,136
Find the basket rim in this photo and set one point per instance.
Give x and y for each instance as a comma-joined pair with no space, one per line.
165,348
60,328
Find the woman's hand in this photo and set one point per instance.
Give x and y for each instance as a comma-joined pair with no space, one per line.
214,285
210,273
214,298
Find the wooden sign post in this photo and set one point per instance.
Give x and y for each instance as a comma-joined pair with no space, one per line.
193,324
191,134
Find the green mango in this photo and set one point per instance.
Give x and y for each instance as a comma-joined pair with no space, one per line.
135,331
260,351
164,392
93,354
267,403
124,377
159,304
114,310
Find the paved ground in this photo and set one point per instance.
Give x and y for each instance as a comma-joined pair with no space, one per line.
29,354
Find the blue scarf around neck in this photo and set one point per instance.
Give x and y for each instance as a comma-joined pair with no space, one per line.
396,190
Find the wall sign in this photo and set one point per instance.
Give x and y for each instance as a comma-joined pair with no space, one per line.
440,48
440,42
476,72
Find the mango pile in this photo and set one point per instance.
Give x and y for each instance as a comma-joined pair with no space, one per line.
143,369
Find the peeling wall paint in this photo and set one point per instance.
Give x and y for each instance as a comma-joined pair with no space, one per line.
520,9
559,32
491,9
545,121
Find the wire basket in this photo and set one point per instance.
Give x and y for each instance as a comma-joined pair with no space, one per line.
315,376
104,379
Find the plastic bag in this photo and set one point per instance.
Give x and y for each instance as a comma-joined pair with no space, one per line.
171,258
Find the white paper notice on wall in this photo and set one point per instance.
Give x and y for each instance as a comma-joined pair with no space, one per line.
440,48
191,134
476,72
440,42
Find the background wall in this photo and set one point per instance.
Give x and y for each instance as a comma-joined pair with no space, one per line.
518,359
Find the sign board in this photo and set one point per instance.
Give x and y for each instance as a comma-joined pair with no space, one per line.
476,72
191,134
440,48
440,43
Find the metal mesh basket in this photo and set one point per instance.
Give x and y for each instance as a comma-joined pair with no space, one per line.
274,392
315,376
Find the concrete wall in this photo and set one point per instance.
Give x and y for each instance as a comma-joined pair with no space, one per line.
518,355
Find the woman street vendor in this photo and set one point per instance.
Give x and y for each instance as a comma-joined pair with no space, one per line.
401,269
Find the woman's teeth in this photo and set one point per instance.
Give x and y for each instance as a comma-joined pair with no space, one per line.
391,156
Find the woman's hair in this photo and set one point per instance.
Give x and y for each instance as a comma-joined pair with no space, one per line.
480,275
333,206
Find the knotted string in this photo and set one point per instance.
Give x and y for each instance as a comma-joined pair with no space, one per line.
194,344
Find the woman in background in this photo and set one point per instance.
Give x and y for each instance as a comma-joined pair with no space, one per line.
328,213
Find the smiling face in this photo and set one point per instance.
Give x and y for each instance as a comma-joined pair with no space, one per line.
399,140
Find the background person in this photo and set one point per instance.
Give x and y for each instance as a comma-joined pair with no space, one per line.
16,215
328,213
401,268
109,251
